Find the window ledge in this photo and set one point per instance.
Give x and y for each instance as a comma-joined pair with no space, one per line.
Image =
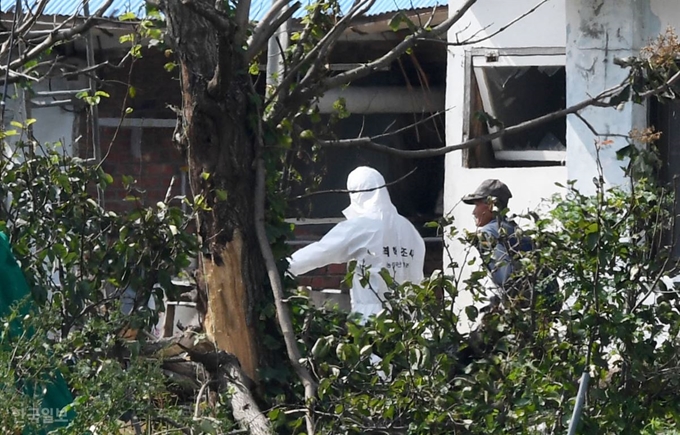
531,155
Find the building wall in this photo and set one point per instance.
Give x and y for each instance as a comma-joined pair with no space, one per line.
664,13
597,33
53,124
593,33
139,146
528,185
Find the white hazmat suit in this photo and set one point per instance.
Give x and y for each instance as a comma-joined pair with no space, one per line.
374,235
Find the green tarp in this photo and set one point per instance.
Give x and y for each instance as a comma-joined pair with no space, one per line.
13,291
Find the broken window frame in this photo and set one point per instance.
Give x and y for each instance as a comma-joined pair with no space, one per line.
512,57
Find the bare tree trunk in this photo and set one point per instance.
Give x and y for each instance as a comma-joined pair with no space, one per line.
220,148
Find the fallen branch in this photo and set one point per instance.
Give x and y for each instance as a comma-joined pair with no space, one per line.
191,364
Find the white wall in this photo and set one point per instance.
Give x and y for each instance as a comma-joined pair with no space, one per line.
594,33
52,123
663,13
528,185
482,20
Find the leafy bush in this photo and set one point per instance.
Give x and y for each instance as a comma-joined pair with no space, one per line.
78,260
410,369
519,372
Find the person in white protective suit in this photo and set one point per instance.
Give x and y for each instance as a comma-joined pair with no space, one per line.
375,235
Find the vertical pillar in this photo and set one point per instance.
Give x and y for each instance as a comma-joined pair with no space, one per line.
598,31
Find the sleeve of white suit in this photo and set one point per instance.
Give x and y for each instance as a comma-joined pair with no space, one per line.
339,245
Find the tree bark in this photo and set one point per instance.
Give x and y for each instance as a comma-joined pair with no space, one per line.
220,148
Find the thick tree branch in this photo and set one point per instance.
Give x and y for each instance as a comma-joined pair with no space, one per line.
31,17
282,310
266,28
283,313
59,36
320,53
226,368
214,16
304,36
392,55
317,55
221,366
241,18
262,33
368,142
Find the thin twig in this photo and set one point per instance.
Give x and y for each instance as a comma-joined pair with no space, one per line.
198,398
471,41
17,8
185,430
321,192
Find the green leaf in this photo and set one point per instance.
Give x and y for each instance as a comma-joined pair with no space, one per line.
621,98
626,151
307,134
128,16
592,240
107,178
6,133
366,350
395,21
221,194
130,37
320,348
274,414
472,312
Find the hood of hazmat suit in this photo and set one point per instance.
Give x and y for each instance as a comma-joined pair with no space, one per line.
374,235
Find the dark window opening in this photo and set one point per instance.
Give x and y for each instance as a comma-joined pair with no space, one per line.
508,95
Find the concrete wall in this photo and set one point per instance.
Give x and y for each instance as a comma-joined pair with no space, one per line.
528,185
599,31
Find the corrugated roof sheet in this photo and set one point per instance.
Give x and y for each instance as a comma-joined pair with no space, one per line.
257,10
